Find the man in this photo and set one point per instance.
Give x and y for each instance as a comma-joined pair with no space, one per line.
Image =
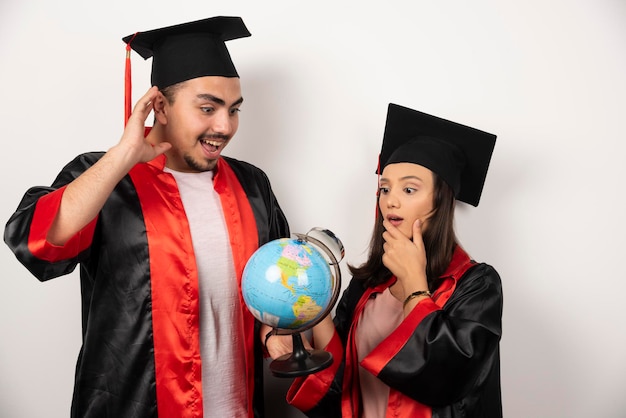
162,227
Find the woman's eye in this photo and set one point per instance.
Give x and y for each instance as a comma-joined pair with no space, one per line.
383,190
409,190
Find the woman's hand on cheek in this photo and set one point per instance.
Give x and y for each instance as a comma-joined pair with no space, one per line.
405,258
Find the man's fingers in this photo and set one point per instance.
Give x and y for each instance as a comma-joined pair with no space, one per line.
161,147
144,106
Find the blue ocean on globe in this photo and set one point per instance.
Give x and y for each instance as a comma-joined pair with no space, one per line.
287,283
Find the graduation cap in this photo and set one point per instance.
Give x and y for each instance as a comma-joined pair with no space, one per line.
186,51
459,154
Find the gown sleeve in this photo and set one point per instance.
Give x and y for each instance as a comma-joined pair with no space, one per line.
26,230
438,356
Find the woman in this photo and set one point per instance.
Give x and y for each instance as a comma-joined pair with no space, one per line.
416,333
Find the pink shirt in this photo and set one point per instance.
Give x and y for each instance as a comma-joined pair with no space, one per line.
380,317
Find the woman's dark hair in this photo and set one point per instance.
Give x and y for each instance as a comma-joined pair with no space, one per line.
439,241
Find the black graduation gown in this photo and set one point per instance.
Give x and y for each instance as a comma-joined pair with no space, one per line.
140,353
441,362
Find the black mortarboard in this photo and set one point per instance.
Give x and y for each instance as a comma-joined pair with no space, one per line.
189,50
460,155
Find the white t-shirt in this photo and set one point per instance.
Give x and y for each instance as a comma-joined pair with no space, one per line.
224,387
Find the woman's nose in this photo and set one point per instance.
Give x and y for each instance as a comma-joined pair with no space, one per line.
392,201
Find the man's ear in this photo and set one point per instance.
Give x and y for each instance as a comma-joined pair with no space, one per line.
160,108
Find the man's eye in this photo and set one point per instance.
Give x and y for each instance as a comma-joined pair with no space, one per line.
206,109
235,111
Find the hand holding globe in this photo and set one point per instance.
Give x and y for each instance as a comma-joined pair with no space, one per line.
288,284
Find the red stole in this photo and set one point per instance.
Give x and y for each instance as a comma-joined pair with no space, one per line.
350,402
174,281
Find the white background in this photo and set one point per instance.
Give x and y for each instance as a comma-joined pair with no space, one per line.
548,77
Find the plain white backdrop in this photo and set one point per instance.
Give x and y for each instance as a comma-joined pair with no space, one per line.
548,77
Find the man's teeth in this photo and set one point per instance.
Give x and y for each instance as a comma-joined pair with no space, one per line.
215,144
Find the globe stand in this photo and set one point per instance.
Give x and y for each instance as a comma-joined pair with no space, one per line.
301,361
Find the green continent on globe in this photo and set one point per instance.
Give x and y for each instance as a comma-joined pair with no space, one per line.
305,309
293,262
289,268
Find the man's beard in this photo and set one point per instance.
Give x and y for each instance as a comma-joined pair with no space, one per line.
205,165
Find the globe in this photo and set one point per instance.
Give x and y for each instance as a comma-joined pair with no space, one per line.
287,283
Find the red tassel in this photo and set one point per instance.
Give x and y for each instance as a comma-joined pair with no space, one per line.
128,84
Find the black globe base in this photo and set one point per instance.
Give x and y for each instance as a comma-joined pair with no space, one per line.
300,362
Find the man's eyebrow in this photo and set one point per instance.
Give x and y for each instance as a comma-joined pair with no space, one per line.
215,99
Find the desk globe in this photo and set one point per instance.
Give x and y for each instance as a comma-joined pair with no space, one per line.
288,284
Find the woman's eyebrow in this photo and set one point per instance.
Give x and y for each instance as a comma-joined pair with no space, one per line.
383,179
